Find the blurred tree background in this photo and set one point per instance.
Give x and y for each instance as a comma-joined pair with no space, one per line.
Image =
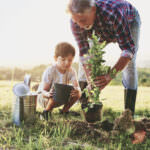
36,72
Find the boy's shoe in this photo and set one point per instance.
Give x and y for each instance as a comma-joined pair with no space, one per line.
45,114
63,113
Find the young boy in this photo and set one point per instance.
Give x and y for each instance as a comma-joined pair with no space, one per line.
60,72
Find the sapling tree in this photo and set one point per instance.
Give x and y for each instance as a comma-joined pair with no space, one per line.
96,65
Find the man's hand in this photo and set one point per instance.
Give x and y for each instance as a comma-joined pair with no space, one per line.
102,81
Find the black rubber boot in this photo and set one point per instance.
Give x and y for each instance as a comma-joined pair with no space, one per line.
130,99
83,98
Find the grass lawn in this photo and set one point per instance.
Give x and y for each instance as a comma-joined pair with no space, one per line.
71,132
114,96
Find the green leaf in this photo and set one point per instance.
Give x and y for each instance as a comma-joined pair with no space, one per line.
86,109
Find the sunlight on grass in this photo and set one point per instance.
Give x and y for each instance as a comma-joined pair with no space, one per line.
6,94
114,98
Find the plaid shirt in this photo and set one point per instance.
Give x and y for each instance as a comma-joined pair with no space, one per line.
112,24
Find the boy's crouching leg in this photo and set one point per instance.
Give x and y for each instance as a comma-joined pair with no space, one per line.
50,105
48,109
69,104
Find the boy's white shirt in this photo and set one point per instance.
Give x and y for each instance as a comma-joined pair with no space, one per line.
51,75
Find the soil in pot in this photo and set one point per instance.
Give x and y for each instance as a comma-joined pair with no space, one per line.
92,112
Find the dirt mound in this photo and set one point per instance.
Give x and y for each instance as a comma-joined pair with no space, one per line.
83,130
106,125
88,131
104,131
124,122
143,124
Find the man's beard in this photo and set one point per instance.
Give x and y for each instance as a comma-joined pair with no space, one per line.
88,27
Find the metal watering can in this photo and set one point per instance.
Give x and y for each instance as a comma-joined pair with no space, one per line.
24,103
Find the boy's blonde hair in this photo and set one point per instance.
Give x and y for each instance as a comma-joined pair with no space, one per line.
64,49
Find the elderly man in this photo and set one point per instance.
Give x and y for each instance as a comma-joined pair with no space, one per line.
113,21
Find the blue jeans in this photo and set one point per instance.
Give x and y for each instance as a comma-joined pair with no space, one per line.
130,76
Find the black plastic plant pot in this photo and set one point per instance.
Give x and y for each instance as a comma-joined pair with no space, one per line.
92,114
62,93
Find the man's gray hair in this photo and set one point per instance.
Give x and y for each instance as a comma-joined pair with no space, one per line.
79,6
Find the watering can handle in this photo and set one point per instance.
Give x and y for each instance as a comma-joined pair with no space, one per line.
27,80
